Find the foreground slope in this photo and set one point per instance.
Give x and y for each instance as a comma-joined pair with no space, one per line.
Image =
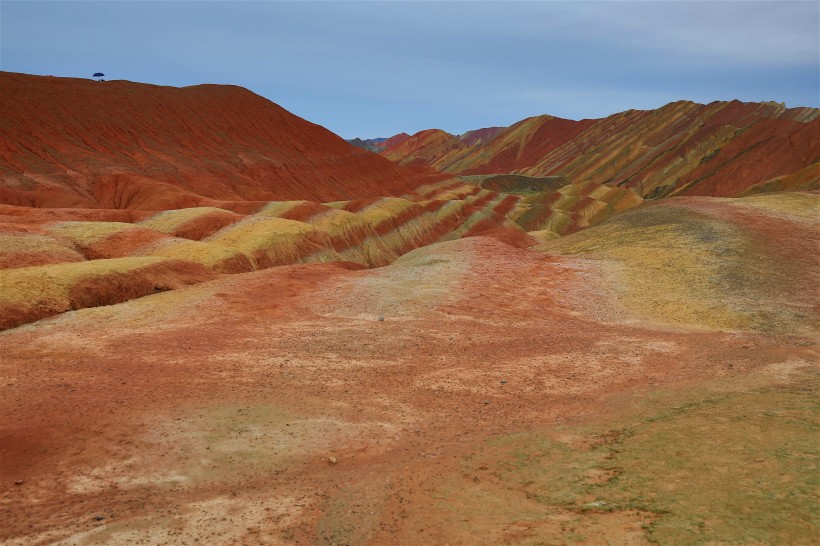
510,395
78,143
723,149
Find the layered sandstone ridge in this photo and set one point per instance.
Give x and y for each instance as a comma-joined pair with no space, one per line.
723,149
56,260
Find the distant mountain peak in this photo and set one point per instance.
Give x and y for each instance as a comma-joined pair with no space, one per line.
721,149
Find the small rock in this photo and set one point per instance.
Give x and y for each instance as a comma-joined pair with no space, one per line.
381,318
332,460
486,402
18,482
503,381
99,518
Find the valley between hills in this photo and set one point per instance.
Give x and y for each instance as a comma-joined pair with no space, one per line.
223,324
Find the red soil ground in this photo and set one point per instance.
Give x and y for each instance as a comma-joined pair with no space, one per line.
276,407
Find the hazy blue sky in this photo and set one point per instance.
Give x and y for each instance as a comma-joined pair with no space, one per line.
378,68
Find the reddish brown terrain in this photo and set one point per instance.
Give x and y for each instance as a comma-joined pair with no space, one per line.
74,143
723,149
355,353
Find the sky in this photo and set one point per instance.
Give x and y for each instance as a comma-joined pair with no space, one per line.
377,68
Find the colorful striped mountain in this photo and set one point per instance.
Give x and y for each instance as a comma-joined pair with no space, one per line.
723,149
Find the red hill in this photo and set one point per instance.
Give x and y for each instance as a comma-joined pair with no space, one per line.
78,143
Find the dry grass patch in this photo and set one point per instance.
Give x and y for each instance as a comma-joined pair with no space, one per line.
32,293
276,241
170,220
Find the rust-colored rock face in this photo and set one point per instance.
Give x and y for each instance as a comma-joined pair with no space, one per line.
79,143
720,149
